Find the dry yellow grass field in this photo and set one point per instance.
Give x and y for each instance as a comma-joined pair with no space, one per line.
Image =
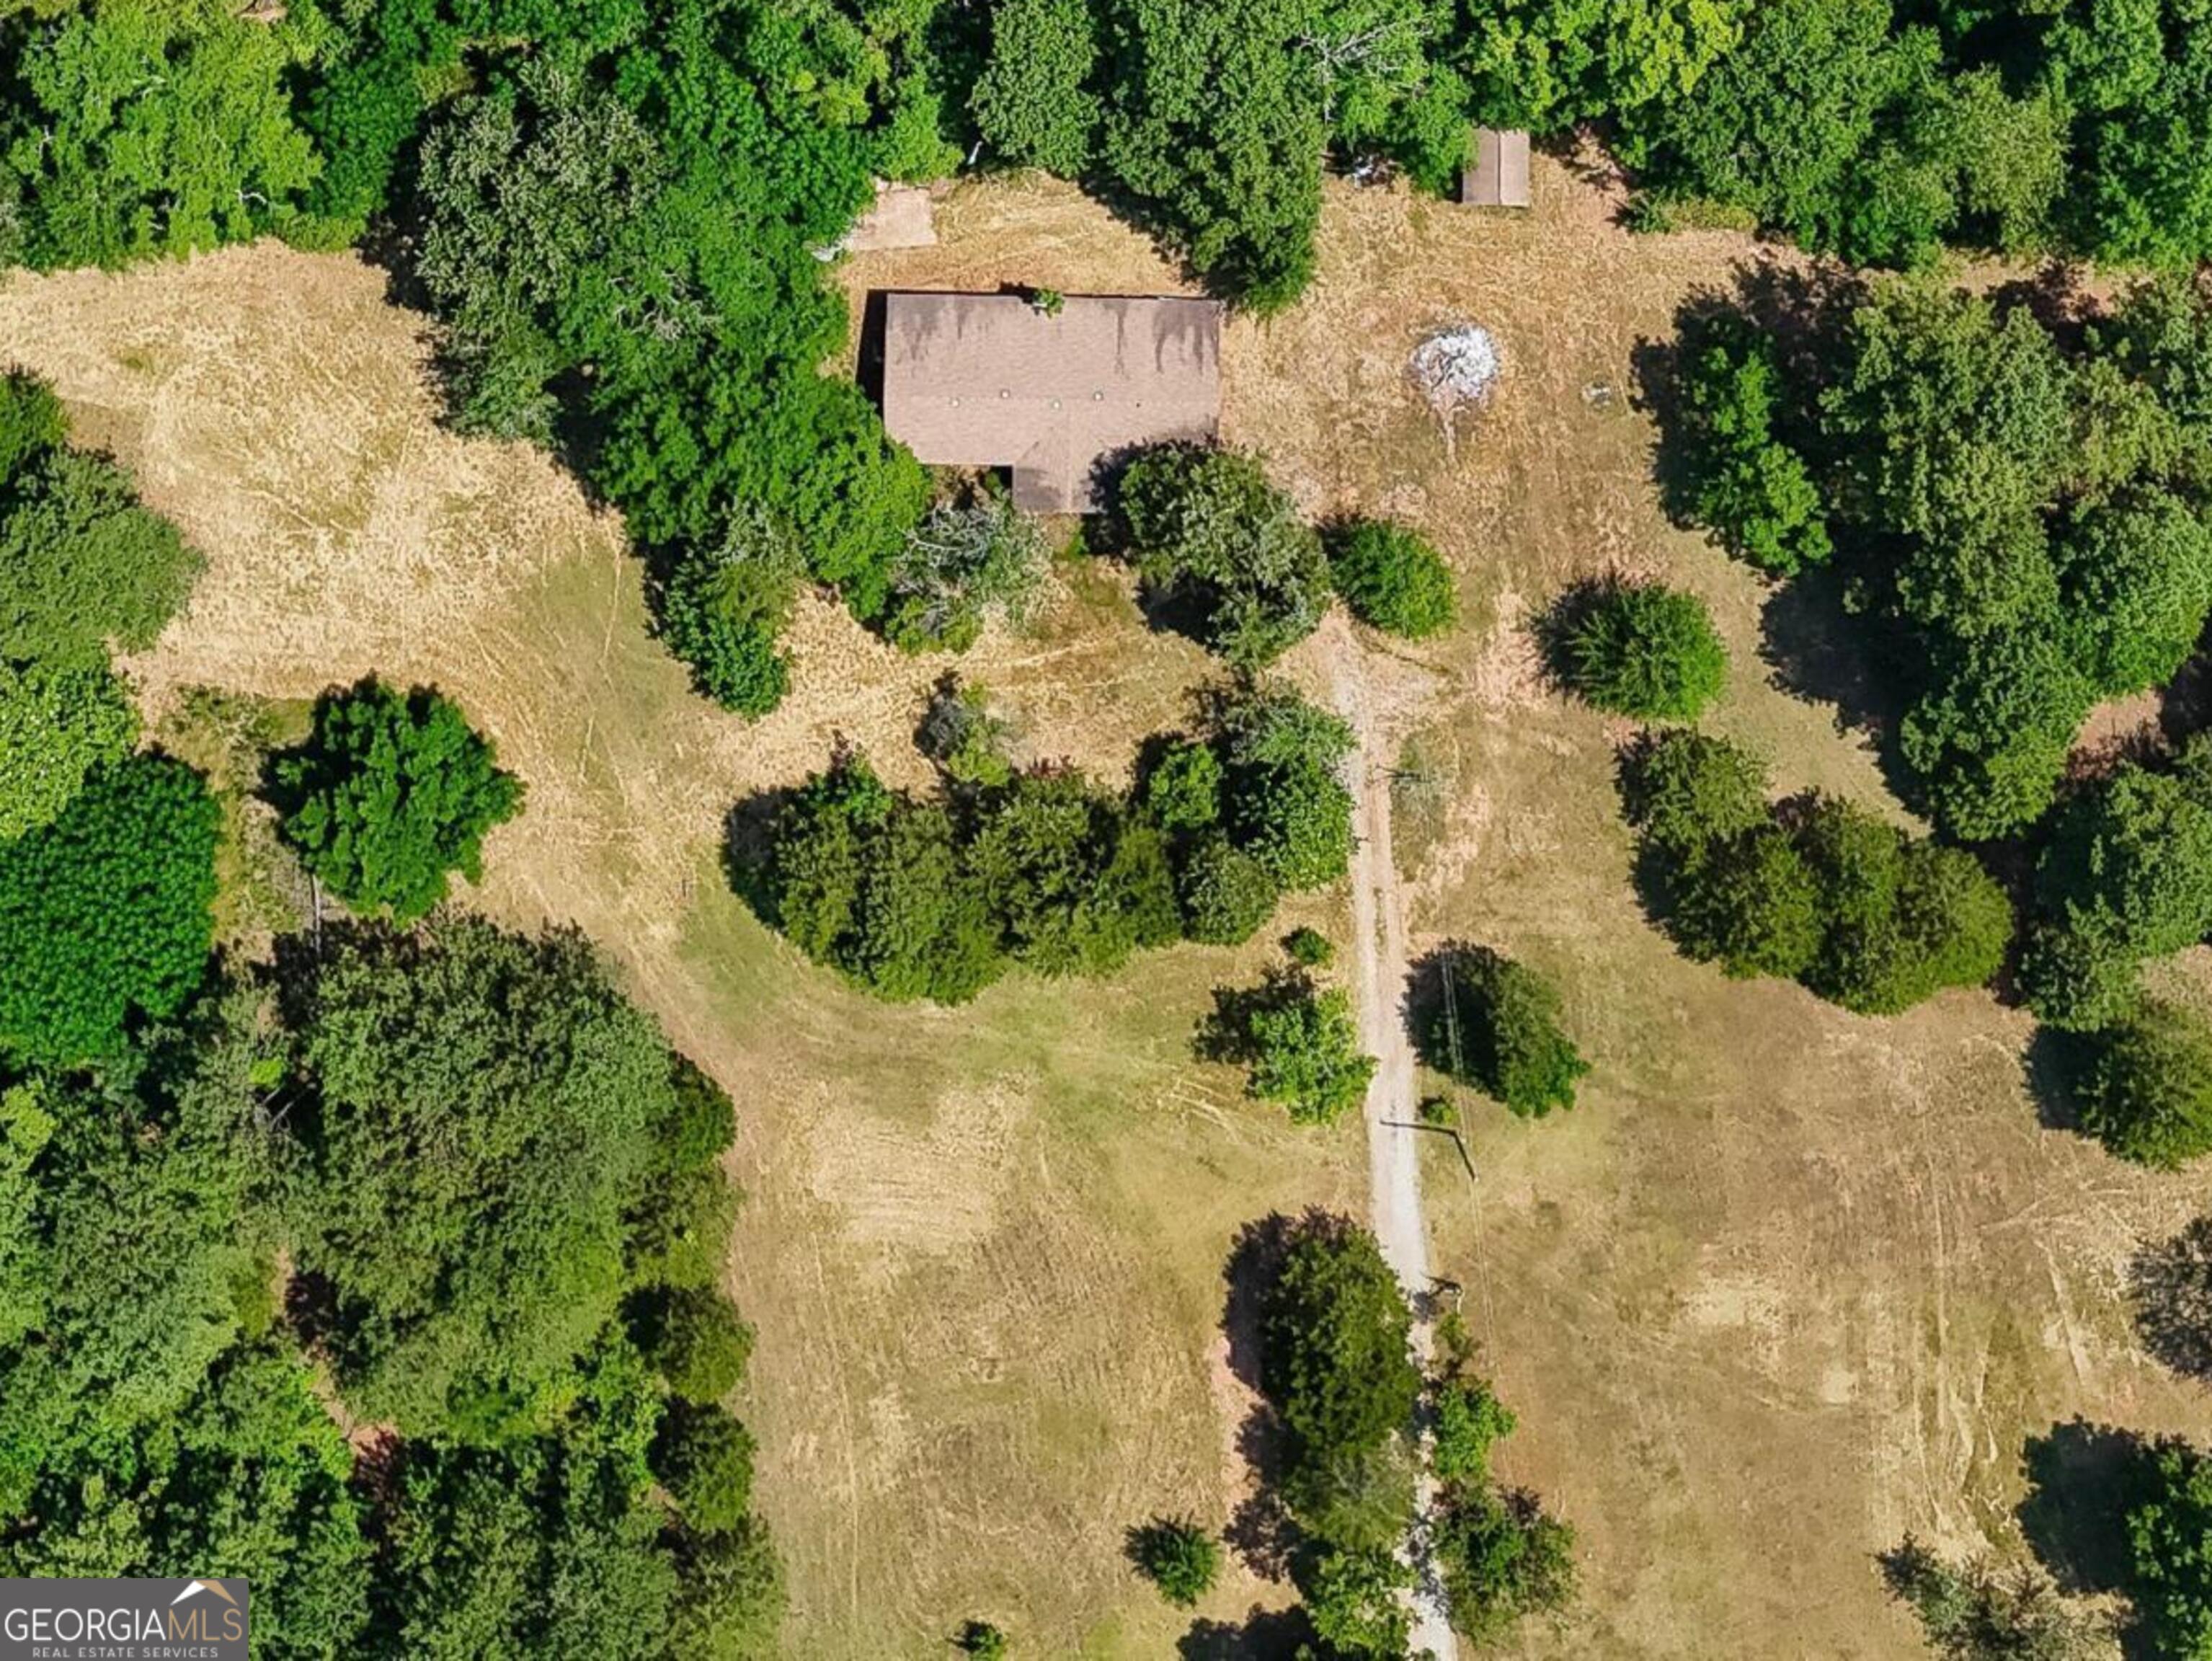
1788,1283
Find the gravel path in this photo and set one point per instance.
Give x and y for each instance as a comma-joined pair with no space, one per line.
1379,970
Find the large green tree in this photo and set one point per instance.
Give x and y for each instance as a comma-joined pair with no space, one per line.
391,793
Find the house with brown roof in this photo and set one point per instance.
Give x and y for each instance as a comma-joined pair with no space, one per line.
996,381
1499,176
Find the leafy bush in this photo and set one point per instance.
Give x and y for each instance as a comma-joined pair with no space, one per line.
959,733
1469,1422
1975,1614
705,1459
56,724
963,563
1503,1558
1640,649
1282,794
1309,947
698,1343
389,795
1183,789
1355,1598
2076,980
1752,905
2137,576
722,610
2167,1522
1211,533
1335,1334
2130,862
81,565
104,912
1300,1043
1071,881
1687,792
1743,482
1392,578
1179,1557
2145,1085
1226,893
1496,1026
1899,919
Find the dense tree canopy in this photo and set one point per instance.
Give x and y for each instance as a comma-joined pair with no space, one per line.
56,724
935,898
2017,514
104,912
1337,1361
488,1116
144,127
1822,891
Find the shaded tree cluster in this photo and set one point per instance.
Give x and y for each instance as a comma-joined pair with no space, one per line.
1816,889
2014,515
1882,132
936,896
459,1176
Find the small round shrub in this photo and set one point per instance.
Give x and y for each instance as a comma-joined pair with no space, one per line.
1753,906
705,1122
1183,789
1181,1558
1309,948
1496,1026
2078,979
1644,650
1469,1419
1687,791
982,1640
699,1344
2145,1086
704,1458
1392,579
1226,894
1299,1042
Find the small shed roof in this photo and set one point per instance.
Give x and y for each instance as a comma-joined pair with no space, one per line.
991,381
1498,178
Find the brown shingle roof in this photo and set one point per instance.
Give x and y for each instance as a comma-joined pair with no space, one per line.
988,380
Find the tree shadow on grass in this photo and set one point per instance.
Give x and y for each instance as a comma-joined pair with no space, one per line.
747,838
2170,1289
2080,1478
1263,1635
2051,1063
